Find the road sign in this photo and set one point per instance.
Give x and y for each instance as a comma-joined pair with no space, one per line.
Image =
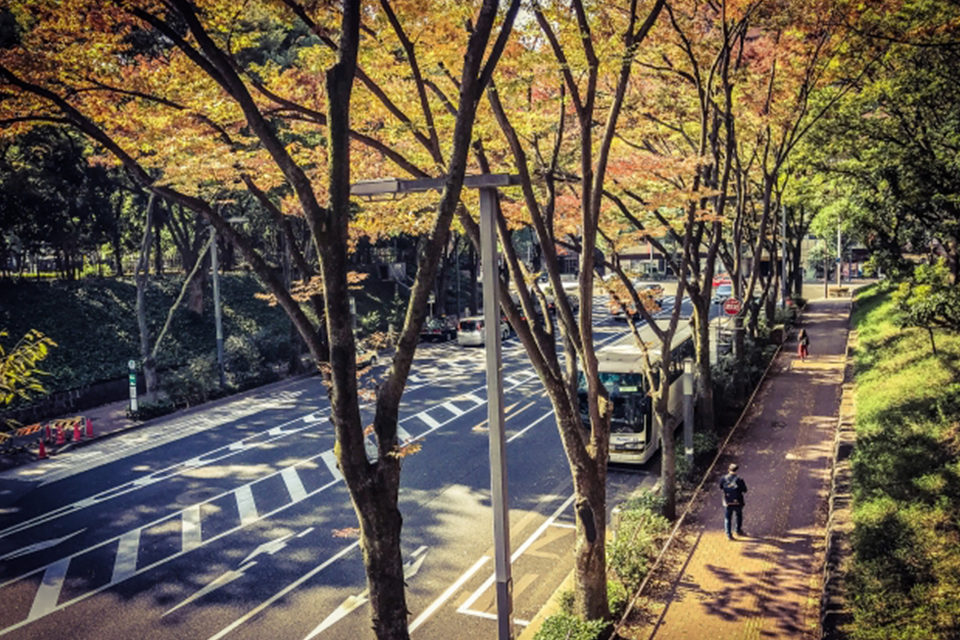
731,306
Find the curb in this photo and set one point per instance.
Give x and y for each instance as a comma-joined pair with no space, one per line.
134,425
834,611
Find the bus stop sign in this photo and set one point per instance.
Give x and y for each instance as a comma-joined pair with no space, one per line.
731,306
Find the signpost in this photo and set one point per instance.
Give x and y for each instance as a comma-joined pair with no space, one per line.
132,371
732,306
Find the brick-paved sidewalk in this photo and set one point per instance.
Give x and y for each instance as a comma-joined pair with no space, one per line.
766,584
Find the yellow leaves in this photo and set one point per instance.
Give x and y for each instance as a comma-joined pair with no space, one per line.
346,532
404,450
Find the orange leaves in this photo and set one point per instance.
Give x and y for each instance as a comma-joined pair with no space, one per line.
346,532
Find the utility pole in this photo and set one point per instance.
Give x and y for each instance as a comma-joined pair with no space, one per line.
217,315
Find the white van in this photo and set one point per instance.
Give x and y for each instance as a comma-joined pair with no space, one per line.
470,331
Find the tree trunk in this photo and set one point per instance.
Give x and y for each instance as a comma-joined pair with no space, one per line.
668,453
142,277
590,503
704,377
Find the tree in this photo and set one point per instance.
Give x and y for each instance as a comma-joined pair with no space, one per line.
930,300
19,367
189,100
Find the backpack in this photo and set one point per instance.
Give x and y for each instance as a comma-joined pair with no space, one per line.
732,495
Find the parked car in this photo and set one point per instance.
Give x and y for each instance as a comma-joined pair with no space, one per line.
470,331
722,292
438,330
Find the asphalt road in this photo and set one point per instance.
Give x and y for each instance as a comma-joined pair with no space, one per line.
233,522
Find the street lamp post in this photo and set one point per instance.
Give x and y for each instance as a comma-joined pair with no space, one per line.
217,314
487,184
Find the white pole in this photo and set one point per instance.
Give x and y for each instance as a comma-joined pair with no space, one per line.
217,314
498,442
839,254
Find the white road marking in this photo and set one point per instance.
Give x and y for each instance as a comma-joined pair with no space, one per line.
125,563
39,546
331,461
403,435
529,426
218,582
246,505
55,568
465,607
452,408
446,595
290,587
190,531
267,547
493,616
292,481
49,592
472,398
430,422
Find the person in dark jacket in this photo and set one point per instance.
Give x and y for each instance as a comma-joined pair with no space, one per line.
733,488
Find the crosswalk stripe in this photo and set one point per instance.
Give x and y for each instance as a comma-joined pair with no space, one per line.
294,486
331,462
433,424
452,408
403,435
190,532
49,592
246,505
125,564
472,398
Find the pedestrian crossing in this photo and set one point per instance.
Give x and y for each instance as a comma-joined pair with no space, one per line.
199,524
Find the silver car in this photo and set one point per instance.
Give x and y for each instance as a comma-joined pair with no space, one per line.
470,331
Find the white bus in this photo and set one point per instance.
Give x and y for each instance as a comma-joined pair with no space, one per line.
634,430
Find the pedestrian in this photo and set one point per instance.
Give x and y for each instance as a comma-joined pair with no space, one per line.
803,342
733,488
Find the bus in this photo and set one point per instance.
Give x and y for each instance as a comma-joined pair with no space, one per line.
634,429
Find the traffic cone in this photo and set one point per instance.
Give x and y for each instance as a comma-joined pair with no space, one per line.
77,433
89,428
60,437
41,450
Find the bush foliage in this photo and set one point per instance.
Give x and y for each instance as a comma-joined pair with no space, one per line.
94,323
905,573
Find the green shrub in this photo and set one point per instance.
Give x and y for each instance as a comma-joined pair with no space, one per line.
617,597
193,384
149,410
638,539
566,601
563,626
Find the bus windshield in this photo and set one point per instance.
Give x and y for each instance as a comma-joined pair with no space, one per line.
629,400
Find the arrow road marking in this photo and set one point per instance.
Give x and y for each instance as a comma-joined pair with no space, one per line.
352,602
222,581
39,546
247,563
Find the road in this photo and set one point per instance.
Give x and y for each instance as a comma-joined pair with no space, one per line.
234,522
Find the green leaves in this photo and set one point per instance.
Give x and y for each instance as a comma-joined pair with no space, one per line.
19,370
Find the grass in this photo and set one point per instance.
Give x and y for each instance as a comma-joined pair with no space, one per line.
905,573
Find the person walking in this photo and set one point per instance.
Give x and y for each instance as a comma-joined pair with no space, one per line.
733,488
803,342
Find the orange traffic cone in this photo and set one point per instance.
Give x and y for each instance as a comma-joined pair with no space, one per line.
89,428
77,433
60,437
41,450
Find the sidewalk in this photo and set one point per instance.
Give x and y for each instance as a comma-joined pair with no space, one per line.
765,584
